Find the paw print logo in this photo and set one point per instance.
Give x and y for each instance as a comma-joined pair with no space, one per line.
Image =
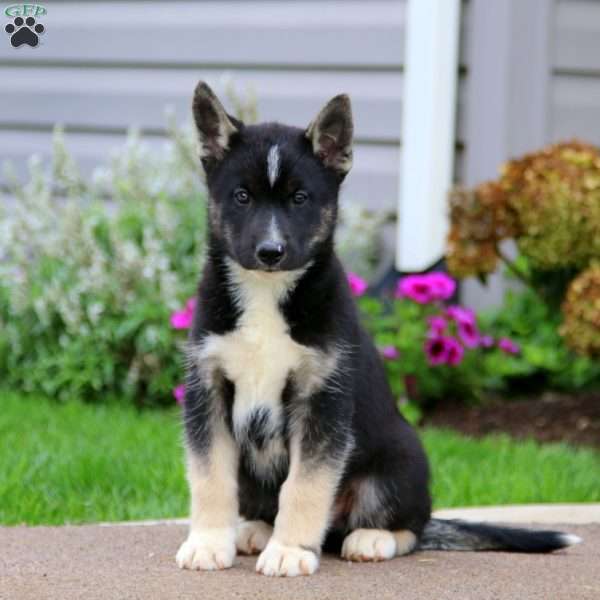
24,32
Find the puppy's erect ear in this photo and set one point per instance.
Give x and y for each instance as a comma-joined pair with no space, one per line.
331,135
215,127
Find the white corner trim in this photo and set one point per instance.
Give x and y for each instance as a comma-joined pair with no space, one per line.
428,131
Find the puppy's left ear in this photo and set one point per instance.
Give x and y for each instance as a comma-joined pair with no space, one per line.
331,135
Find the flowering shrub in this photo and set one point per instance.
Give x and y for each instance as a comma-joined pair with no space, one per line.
435,351
87,285
94,274
431,350
582,312
549,203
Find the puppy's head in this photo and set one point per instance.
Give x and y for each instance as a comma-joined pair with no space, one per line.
273,189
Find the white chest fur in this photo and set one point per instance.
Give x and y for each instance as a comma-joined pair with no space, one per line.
260,355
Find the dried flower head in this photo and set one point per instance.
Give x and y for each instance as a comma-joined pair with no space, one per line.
548,201
555,195
581,309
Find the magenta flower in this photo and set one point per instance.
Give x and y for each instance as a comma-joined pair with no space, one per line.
358,285
179,393
390,352
455,352
182,319
426,288
436,350
415,287
442,285
486,341
466,325
190,305
461,313
508,346
437,324
468,334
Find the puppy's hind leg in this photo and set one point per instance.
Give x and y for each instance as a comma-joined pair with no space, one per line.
380,521
252,537
365,545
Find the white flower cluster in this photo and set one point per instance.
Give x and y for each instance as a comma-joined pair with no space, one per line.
73,252
80,231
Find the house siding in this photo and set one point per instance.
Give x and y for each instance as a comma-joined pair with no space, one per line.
104,67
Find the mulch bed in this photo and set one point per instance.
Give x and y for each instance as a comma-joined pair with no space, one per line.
549,418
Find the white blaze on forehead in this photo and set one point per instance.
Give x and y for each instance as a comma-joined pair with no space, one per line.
273,164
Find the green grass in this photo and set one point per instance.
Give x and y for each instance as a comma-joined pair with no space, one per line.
79,463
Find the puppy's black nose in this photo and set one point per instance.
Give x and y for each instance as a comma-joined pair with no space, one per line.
270,253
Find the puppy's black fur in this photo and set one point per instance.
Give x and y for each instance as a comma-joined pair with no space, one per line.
272,210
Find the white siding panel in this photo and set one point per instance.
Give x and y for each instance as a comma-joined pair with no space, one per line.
121,98
575,88
577,35
575,108
275,32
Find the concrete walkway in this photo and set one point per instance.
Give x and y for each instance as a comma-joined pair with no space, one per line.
137,562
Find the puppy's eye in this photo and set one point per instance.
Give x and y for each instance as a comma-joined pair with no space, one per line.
241,196
299,197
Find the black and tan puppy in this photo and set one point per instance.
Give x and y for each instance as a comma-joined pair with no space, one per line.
294,443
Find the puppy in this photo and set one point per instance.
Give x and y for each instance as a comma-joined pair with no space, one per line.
294,442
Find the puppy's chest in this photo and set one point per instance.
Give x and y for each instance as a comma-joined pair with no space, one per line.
259,357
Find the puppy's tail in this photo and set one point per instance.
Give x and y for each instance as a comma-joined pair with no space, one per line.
442,534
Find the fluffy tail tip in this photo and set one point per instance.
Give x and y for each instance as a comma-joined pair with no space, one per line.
568,539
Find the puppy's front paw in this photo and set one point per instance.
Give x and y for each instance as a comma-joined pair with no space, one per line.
207,550
278,560
369,545
252,536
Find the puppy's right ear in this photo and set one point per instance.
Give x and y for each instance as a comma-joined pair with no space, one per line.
215,127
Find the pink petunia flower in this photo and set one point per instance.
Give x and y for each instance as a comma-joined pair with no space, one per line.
415,287
190,305
436,349
461,313
455,352
508,346
390,352
442,285
437,324
358,285
466,324
486,341
426,288
468,333
183,319
179,393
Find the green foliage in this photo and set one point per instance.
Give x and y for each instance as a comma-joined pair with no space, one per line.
91,273
403,325
545,361
77,463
